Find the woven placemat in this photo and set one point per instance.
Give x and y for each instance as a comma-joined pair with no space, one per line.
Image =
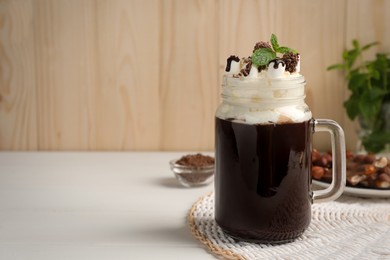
348,228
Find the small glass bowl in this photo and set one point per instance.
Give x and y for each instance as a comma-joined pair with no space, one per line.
192,176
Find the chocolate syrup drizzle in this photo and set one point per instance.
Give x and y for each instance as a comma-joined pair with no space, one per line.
229,62
277,62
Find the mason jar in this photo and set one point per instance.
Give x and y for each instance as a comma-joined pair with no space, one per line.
263,145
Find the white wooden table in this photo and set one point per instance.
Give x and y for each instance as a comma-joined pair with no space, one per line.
92,205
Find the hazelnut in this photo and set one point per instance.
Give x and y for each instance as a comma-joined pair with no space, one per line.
351,165
327,174
362,169
315,156
385,170
381,162
359,158
326,160
349,155
355,179
317,172
323,161
369,158
368,182
382,184
384,177
369,169
328,156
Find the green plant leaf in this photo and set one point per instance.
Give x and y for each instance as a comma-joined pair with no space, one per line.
352,55
380,63
380,137
345,55
274,42
375,142
367,46
336,66
356,44
375,74
357,81
368,112
352,107
369,83
370,104
263,56
372,146
285,50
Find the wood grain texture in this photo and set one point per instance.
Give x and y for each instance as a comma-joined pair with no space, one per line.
146,74
18,117
127,87
63,90
189,74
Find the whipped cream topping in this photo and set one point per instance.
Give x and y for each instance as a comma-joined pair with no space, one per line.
270,94
275,69
264,101
298,67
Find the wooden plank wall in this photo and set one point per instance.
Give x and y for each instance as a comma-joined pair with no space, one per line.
145,74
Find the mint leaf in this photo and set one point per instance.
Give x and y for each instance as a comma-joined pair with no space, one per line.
274,42
285,50
277,48
263,56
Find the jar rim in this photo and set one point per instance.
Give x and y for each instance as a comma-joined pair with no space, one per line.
264,82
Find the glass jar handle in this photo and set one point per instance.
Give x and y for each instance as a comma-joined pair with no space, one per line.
337,186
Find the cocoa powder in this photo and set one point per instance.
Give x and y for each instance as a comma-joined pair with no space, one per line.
196,160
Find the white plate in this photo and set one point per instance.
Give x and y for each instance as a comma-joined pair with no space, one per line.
358,192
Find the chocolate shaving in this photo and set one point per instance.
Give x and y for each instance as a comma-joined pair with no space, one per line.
291,61
229,62
245,71
261,45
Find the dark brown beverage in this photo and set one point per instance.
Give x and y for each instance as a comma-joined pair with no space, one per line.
262,182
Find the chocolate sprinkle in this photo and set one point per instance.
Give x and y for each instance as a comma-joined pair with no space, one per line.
229,62
261,45
291,61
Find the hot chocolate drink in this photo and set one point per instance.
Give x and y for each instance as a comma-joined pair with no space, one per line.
263,183
263,132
